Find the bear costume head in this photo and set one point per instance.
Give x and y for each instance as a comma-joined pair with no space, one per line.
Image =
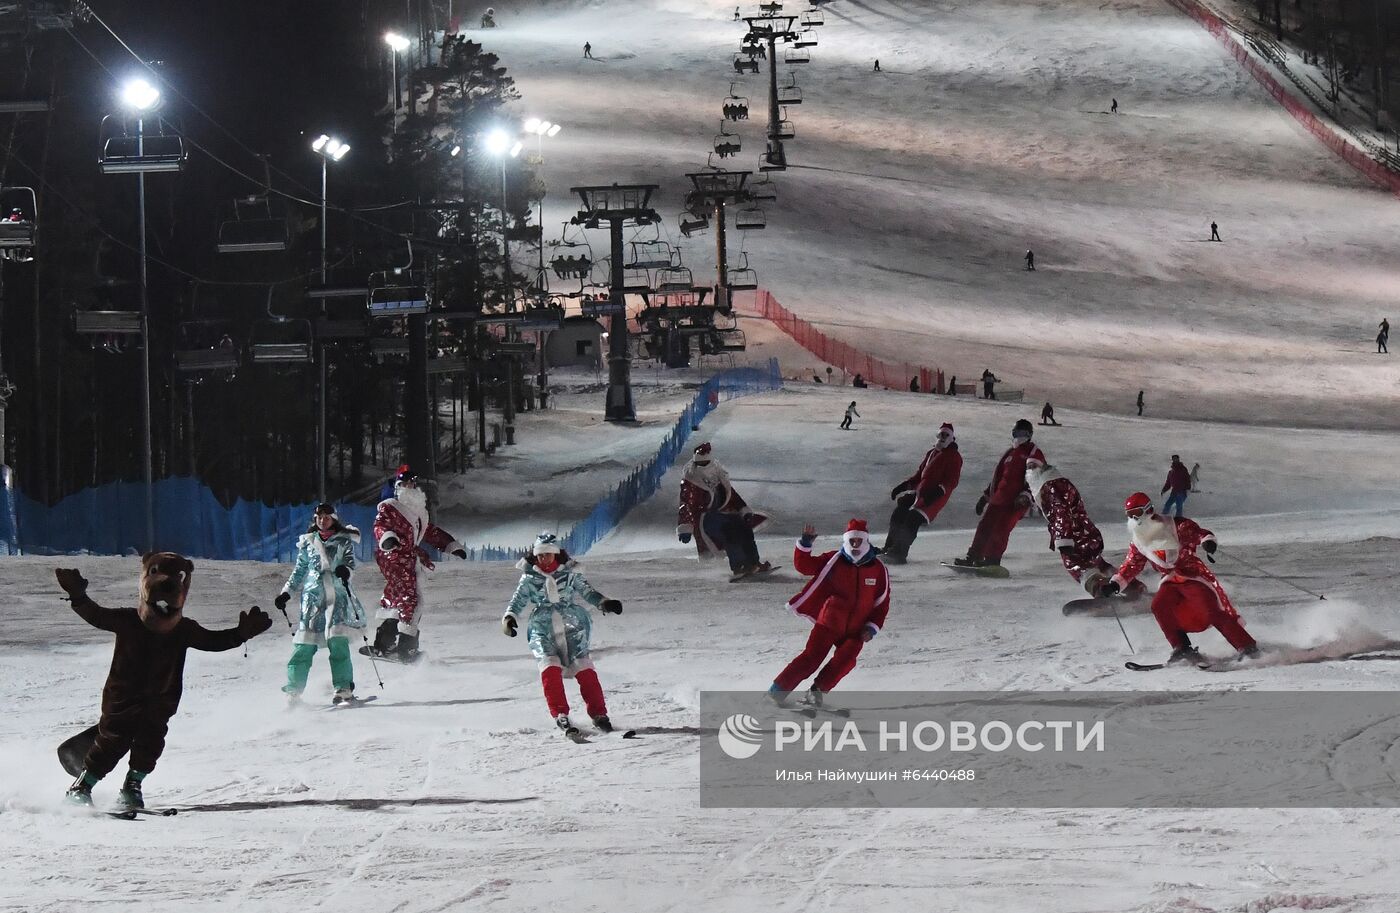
165,582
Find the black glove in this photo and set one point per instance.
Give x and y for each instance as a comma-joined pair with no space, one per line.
610,607
935,494
508,624
253,622
71,579
281,601
389,544
981,505
460,553
343,573
1064,549
685,538
1210,545
896,491
1110,589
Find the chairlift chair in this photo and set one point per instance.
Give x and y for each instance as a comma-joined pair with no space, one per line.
784,128
673,279
571,267
393,294
206,345
263,234
790,94
807,38
107,323
740,277
730,340
735,107
158,149
750,218
19,223
650,255
727,144
693,224
281,342
774,158
744,64
765,190
813,18
771,8
796,55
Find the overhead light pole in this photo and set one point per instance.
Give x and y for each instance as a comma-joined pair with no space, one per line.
330,150
503,146
396,43
540,129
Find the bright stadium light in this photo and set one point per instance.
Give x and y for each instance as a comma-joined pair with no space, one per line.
497,142
396,41
139,95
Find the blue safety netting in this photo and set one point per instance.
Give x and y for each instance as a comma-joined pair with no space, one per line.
110,519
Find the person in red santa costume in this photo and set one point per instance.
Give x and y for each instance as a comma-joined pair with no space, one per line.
919,498
846,600
715,515
1072,533
1005,501
401,528
1190,598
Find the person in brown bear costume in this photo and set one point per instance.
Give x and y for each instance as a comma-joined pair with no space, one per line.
148,666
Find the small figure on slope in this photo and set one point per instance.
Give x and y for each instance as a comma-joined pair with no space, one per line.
846,600
558,628
850,414
401,525
1004,501
1179,484
919,498
147,674
716,516
1072,533
330,613
1190,598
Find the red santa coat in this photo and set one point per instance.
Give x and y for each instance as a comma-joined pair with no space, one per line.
704,489
1169,544
402,597
1009,478
1066,516
842,596
935,480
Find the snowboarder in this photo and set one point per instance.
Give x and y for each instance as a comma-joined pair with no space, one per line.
736,14
1047,415
1383,337
1072,533
1030,260
147,674
1195,477
716,515
1139,402
401,527
877,65
846,600
919,498
558,629
914,384
850,413
588,50
1179,484
1113,108
988,381
1214,232
953,386
330,612
859,382
1190,598
1004,501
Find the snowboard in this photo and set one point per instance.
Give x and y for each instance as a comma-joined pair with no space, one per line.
995,571
72,752
393,657
1106,606
736,578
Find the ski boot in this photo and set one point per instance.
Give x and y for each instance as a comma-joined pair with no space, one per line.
343,696
385,636
406,647
1186,654
1249,652
80,793
762,567
895,558
568,728
778,696
130,795
603,723
742,571
966,562
815,696
293,699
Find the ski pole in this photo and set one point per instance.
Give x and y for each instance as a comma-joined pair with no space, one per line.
1267,574
1121,628
374,665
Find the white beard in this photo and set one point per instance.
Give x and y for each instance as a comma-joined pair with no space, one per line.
1155,537
413,504
708,476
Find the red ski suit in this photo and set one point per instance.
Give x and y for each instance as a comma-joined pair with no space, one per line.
845,601
1190,598
1008,499
402,596
934,481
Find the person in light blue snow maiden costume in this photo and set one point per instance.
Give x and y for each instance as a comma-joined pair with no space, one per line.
559,628
330,612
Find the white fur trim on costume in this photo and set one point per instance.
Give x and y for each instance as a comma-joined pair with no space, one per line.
453,546
388,534
804,548
1061,543
815,585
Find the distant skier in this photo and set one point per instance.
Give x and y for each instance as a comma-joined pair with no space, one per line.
736,14
919,498
1214,232
1383,337
1030,260
1139,402
717,517
1047,415
1113,108
850,413
588,51
914,384
1190,598
330,612
859,382
953,386
989,381
877,65
1195,477
401,528
1179,484
1004,501
847,601
1072,533
558,629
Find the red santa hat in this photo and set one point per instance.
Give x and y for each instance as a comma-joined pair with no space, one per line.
947,428
1035,459
856,531
702,453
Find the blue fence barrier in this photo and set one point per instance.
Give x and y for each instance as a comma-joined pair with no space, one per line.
109,519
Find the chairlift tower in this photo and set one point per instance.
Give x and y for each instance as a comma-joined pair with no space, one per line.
617,205
771,30
714,190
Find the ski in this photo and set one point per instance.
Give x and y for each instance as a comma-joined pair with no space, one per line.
1144,667
127,815
156,812
810,711
575,736
337,704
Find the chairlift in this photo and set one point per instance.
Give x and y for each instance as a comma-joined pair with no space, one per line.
796,55
674,278
750,218
572,267
397,293
753,47
740,277
19,223
735,107
807,38
339,284
280,341
729,340
650,255
790,94
771,8
261,234
813,18
107,323
765,189
727,144
206,345
744,64
784,128
157,149
693,224
774,158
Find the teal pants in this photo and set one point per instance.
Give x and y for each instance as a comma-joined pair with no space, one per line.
299,666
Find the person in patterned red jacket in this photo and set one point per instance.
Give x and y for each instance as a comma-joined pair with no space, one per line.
1005,501
716,516
846,600
1190,598
919,498
401,526
1072,533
